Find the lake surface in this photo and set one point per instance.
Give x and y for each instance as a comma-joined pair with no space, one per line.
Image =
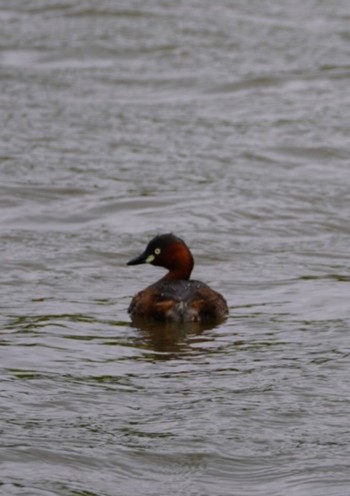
226,123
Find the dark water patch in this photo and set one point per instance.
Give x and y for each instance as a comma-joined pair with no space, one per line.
31,323
332,277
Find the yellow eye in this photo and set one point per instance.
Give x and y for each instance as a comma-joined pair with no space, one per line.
157,251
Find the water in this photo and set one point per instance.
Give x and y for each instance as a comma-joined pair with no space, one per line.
226,123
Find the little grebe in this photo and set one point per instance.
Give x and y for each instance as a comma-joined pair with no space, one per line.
174,297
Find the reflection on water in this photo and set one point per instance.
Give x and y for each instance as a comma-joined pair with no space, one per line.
170,340
224,122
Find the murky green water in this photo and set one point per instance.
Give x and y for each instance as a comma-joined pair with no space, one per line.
228,124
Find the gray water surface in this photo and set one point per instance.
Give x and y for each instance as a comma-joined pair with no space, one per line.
227,123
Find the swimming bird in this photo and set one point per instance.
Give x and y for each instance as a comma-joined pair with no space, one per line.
175,297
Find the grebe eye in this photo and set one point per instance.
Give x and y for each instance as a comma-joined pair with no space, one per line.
157,251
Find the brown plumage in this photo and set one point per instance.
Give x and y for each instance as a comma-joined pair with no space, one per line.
175,297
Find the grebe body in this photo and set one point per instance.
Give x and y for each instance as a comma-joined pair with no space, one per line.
175,297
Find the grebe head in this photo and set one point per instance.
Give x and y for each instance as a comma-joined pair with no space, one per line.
170,252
